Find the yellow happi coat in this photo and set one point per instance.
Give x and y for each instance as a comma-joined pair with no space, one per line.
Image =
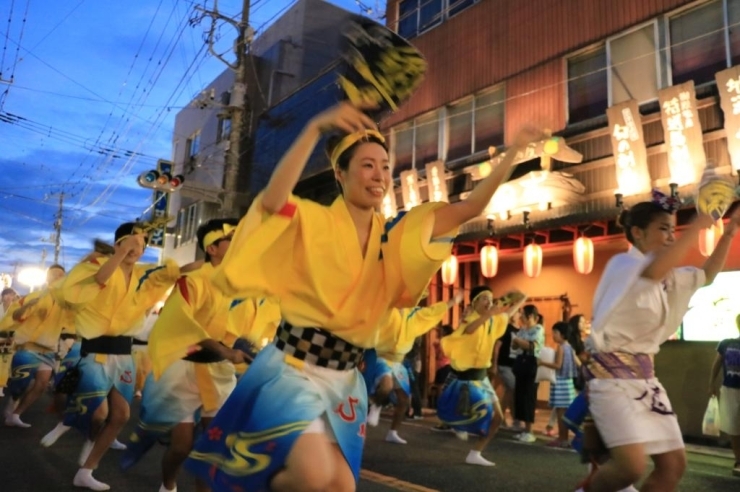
195,312
41,325
308,256
115,308
405,326
475,350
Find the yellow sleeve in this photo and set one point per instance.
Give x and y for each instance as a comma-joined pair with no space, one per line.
79,287
155,280
254,319
8,323
176,332
263,245
411,256
418,321
500,322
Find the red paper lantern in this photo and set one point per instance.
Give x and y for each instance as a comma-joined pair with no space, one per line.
583,255
533,260
489,261
449,270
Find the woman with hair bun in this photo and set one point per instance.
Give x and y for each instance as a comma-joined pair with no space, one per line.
296,420
639,303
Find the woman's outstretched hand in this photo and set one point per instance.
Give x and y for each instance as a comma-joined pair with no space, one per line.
345,117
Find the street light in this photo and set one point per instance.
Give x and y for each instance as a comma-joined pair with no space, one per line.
6,280
32,277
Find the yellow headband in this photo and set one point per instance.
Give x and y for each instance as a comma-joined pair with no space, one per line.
226,231
350,140
479,295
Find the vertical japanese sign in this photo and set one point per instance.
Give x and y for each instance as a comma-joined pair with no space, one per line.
388,207
728,84
683,135
410,189
437,182
161,205
628,144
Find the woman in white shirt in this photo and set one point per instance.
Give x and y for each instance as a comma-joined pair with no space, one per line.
639,303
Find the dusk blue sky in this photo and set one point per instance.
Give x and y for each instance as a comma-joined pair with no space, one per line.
96,86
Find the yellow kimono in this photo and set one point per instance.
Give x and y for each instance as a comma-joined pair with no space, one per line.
475,350
194,312
255,320
42,325
7,345
308,256
406,326
114,309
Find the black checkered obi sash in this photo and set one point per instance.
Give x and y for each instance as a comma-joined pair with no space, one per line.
317,347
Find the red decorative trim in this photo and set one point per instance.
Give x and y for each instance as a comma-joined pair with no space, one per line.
182,284
94,261
288,210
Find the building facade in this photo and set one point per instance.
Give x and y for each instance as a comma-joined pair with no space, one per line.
294,50
636,95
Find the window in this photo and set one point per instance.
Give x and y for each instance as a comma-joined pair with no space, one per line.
587,85
416,16
698,44
733,23
627,66
224,128
488,117
632,66
193,145
468,126
188,221
460,130
416,143
475,124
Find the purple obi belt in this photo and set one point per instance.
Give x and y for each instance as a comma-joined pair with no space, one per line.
619,365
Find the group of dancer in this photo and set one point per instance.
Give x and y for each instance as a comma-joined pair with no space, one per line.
337,289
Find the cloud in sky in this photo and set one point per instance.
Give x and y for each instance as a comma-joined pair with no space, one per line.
96,89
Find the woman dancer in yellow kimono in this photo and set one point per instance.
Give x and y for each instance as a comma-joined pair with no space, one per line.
296,420
111,296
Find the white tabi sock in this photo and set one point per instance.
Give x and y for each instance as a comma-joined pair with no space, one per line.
84,478
10,407
85,453
15,421
475,458
118,445
393,436
55,434
165,489
373,415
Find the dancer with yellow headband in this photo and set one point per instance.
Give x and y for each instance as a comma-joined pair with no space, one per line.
193,362
40,322
296,420
468,402
111,295
386,377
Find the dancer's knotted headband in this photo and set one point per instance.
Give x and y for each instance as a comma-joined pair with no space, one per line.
350,140
226,231
670,204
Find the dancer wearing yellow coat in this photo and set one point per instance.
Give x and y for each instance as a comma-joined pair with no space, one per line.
111,295
7,306
386,377
296,420
40,321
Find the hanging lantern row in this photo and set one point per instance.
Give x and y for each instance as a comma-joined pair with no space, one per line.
583,257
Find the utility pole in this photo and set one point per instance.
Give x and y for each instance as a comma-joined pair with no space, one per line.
238,138
58,229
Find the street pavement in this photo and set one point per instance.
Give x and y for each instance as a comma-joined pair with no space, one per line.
429,462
